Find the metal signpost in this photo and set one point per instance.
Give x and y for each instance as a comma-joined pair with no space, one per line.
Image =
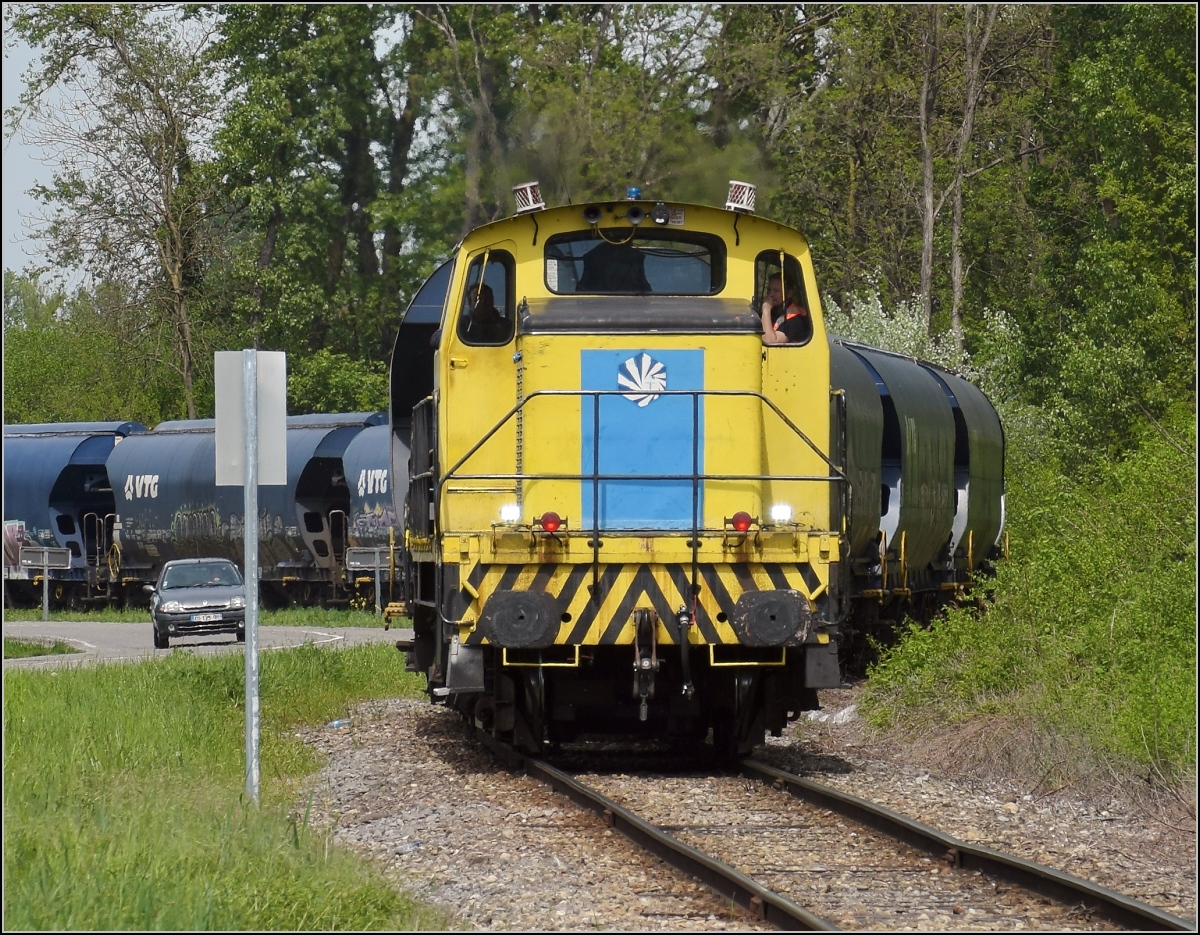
251,449
35,557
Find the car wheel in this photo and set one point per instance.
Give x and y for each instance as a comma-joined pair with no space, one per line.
241,636
161,640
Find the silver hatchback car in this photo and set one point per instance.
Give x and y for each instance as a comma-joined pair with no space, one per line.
195,596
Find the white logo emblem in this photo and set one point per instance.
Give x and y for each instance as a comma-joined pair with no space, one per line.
373,480
648,377
141,485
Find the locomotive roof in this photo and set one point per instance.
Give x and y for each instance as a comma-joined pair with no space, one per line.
734,225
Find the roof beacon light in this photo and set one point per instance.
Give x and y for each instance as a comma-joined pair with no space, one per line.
633,193
781,513
529,197
741,197
510,513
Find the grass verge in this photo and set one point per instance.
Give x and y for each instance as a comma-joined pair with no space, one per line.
23,649
124,805
290,617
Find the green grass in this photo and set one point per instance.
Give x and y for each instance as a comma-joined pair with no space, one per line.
23,649
291,617
124,798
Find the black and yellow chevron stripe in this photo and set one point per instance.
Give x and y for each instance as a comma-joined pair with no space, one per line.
604,619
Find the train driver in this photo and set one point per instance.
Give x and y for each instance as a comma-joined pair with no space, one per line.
485,325
790,325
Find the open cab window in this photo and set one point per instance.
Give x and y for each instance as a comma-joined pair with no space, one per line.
487,314
767,265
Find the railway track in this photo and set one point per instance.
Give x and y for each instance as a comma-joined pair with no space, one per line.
799,855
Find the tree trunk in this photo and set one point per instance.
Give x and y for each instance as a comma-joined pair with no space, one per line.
973,68
472,194
929,92
186,353
266,253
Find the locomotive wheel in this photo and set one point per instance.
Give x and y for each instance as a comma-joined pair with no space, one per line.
737,725
529,731
725,745
424,640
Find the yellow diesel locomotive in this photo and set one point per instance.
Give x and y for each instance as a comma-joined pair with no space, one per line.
627,512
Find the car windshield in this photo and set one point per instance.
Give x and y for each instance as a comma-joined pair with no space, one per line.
200,576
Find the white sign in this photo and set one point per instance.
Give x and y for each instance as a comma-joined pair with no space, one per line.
231,417
33,557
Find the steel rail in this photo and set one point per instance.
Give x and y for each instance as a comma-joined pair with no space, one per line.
760,902
1060,886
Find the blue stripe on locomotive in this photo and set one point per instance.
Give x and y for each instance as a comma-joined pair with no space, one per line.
652,438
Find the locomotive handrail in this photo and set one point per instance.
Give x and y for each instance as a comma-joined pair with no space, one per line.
597,393
695,477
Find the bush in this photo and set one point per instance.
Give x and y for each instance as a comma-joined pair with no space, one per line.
1092,628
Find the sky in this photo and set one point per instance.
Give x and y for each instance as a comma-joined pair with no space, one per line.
21,167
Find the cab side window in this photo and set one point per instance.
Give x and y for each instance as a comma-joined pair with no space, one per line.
487,313
791,313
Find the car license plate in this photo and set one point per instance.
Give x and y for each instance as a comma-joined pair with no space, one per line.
205,618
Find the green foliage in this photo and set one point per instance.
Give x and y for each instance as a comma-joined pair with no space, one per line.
1092,628
1092,366
325,101
130,196
1114,335
325,382
123,806
904,330
74,359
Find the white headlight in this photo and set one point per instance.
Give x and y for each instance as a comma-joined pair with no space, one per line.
781,513
237,603
510,513
171,607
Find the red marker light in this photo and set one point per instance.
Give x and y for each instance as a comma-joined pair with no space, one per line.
741,521
551,521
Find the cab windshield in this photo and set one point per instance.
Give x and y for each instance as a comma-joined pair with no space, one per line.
624,261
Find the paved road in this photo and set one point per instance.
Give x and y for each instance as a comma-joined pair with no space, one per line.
116,642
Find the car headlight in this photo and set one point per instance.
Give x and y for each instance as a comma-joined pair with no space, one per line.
171,607
237,603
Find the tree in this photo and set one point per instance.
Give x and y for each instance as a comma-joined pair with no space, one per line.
75,358
318,149
129,201
919,107
1111,339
